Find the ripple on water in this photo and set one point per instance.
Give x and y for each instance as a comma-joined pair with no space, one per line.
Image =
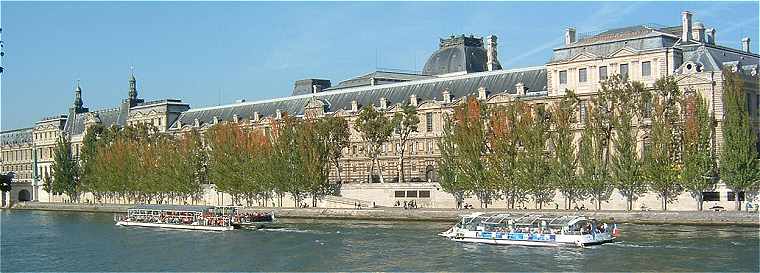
90,242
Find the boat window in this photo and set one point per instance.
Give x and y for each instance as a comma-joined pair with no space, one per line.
411,193
425,194
732,196
400,194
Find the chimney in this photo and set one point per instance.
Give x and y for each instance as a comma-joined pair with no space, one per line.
569,35
685,26
493,61
698,33
354,106
520,88
710,36
446,96
383,103
482,93
413,100
745,45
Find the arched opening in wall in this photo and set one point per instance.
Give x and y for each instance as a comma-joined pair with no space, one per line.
429,173
24,195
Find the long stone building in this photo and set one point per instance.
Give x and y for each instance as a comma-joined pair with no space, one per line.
462,66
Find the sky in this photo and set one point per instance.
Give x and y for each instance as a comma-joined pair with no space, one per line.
211,53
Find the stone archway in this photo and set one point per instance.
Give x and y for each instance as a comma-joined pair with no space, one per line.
429,173
24,195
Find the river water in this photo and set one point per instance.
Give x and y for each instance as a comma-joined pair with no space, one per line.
68,241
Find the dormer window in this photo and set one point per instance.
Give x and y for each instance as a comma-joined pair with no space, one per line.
563,77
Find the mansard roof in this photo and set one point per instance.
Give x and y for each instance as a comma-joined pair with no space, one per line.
380,77
16,137
606,43
498,81
715,58
106,117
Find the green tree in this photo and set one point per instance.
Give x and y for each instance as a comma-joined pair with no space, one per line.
625,163
661,163
470,142
739,163
315,166
65,169
564,161
533,164
593,172
698,173
89,152
337,135
404,123
449,171
375,129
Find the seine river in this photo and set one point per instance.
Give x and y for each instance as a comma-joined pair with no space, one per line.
62,241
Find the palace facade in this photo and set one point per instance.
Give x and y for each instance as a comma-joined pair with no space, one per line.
462,66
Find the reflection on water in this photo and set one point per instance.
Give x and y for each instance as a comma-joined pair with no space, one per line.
47,241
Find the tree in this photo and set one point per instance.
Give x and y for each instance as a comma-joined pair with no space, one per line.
564,161
625,163
337,134
698,173
6,180
449,170
739,163
532,160
375,129
89,152
404,123
593,147
661,162
65,169
470,142
315,164
503,140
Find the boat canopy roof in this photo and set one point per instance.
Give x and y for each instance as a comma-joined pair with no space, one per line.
172,207
523,219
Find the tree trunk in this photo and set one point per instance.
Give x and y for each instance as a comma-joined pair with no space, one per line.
337,167
380,170
700,201
665,202
598,204
371,170
738,201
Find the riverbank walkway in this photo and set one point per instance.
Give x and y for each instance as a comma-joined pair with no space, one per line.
448,215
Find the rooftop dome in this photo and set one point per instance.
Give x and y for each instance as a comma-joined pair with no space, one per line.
457,54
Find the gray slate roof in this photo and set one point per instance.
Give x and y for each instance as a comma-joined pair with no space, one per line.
16,137
494,82
715,57
107,117
381,77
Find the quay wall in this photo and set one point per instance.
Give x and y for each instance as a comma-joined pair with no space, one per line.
450,215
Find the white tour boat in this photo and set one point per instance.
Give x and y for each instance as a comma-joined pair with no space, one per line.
531,230
177,216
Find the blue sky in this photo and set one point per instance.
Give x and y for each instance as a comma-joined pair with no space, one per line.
206,53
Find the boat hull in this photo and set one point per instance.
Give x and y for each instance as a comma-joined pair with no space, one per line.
173,226
524,239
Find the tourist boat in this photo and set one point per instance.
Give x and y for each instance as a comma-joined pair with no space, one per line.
531,230
177,216
248,219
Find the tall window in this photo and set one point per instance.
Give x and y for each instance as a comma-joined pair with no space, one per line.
429,121
624,71
602,73
563,77
582,75
646,69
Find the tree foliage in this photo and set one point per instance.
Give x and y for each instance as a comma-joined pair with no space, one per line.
698,173
375,129
404,123
739,163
